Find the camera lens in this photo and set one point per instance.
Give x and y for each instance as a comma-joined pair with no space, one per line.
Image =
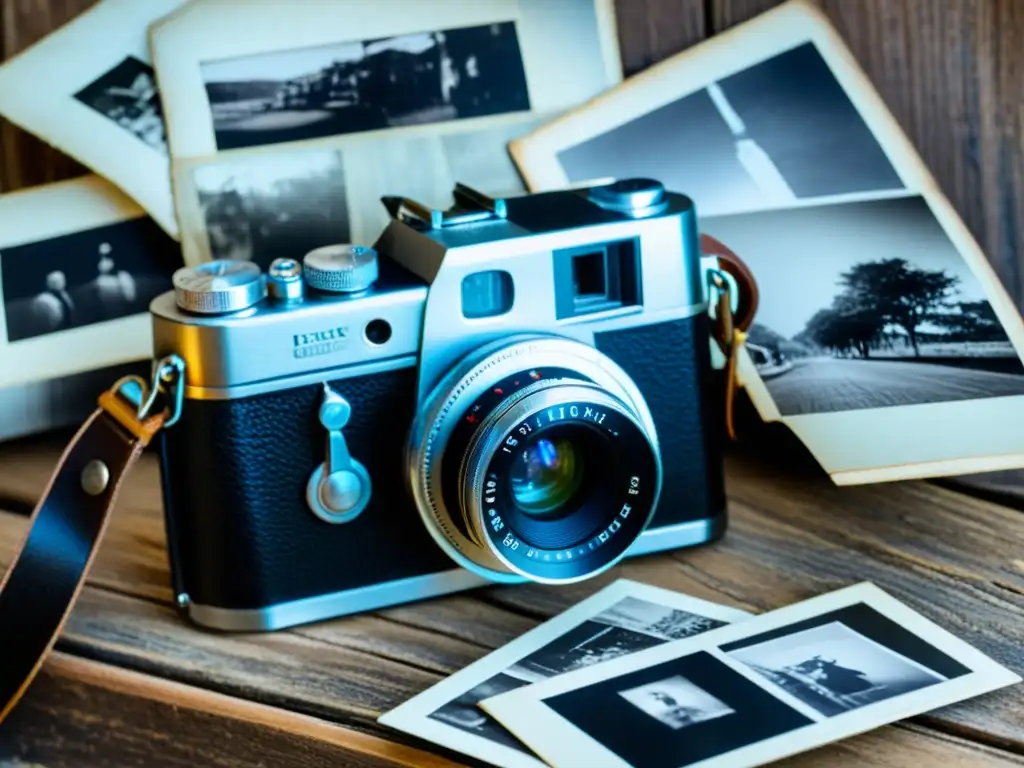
545,476
535,458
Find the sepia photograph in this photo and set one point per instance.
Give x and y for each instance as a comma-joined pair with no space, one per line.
623,618
127,96
867,305
781,131
260,207
86,277
676,702
834,669
367,85
88,90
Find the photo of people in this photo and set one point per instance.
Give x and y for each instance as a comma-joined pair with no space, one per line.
87,277
867,305
364,85
127,95
260,207
780,131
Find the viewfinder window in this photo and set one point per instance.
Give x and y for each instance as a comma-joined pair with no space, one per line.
597,278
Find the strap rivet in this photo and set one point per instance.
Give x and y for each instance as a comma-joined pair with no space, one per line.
95,477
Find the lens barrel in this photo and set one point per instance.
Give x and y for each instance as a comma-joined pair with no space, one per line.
535,459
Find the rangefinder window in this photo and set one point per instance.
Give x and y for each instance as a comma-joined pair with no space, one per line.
597,278
487,294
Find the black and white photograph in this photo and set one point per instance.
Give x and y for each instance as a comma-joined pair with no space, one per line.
127,96
867,305
835,669
281,202
92,276
88,90
364,85
755,691
623,618
676,702
780,131
628,626
675,713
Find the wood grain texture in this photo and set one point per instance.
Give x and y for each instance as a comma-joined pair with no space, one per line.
792,535
952,73
81,712
651,30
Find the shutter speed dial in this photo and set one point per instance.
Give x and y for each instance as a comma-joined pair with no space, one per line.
341,268
217,287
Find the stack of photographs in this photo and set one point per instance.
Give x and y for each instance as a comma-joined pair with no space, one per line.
222,131
883,337
80,260
286,133
640,677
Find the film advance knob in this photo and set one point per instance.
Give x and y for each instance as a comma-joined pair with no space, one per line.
341,268
218,286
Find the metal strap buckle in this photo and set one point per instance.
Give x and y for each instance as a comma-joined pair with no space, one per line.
143,408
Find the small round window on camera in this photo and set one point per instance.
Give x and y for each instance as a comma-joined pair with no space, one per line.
378,331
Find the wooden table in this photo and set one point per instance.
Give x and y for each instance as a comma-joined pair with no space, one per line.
131,683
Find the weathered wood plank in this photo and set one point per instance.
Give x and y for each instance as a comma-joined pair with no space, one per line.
952,73
651,30
792,535
902,746
82,712
24,159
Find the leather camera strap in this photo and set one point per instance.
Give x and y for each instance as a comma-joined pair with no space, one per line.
65,530
731,326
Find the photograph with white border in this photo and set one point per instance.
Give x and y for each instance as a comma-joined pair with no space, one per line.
576,38
623,618
88,89
911,666
796,164
223,106
80,262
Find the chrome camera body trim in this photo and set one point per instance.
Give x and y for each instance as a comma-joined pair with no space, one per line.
280,511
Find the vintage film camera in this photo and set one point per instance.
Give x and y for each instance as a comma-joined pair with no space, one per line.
505,391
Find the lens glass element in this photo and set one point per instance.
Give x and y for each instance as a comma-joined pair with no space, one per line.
545,476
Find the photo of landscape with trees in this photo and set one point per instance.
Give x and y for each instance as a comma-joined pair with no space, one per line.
867,305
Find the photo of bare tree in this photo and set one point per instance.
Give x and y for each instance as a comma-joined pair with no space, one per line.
867,305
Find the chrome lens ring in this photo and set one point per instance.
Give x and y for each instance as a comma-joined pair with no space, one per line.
598,524
446,406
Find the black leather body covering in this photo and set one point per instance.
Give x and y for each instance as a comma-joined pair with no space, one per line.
235,471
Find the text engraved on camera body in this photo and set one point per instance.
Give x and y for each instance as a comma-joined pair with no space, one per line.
320,342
